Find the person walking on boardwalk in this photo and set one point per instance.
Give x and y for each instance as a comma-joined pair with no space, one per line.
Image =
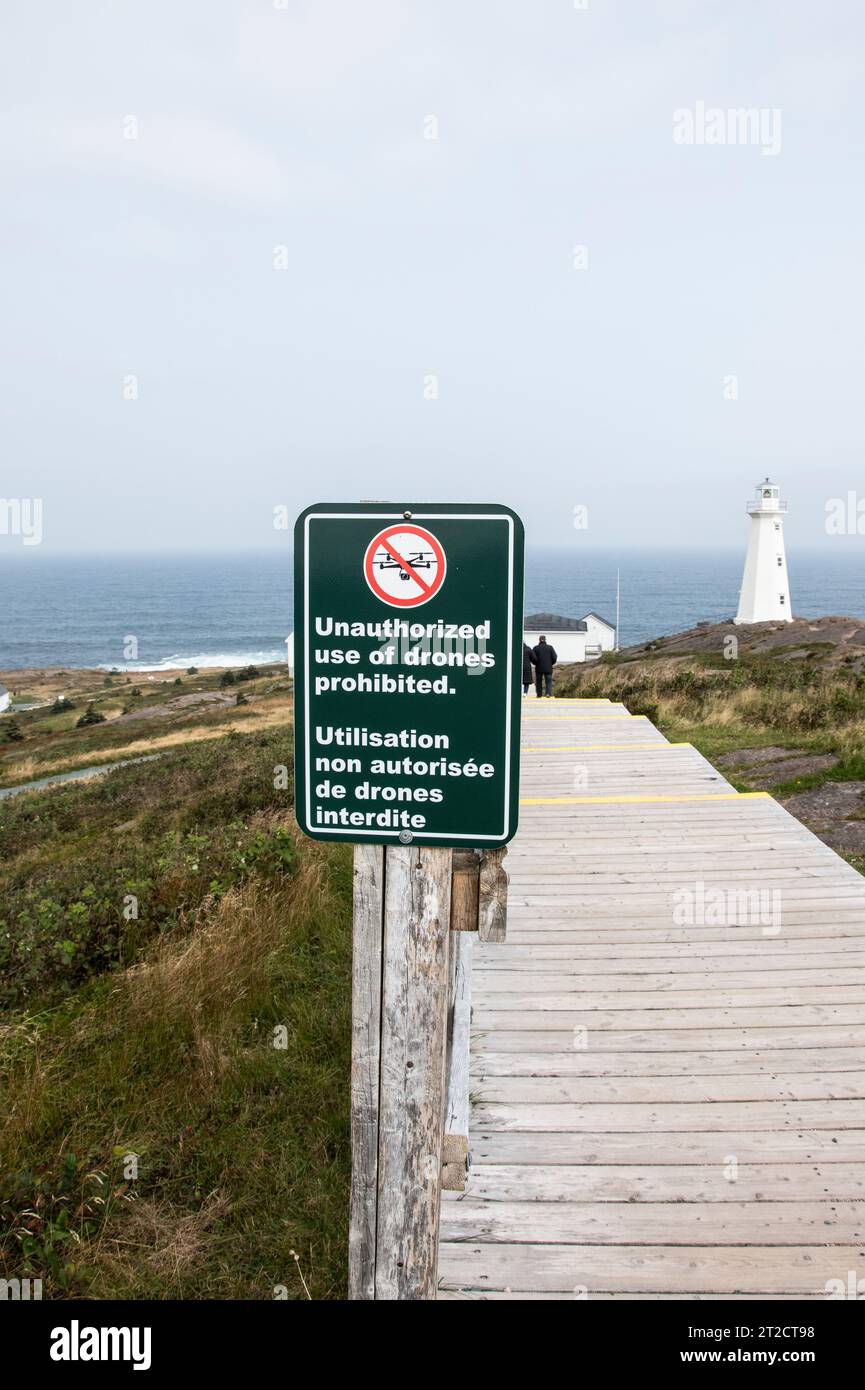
545,657
528,663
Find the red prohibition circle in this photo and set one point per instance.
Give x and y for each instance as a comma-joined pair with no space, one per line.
406,568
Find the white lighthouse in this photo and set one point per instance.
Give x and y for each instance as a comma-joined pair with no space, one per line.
765,593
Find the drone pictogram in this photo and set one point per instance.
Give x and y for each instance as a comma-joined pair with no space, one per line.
404,565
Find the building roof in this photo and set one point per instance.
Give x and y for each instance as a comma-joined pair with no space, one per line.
605,621
552,622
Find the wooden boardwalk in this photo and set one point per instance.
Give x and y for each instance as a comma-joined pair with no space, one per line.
668,1072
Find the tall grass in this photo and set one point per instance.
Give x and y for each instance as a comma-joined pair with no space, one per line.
221,1060
750,701
89,873
174,1082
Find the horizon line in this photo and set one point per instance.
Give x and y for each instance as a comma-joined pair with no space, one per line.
829,545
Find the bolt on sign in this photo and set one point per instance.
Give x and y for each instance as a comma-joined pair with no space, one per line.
408,649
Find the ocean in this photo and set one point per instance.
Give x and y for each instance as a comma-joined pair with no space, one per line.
236,608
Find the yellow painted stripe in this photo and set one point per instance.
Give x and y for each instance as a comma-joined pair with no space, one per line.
586,718
621,800
568,700
599,747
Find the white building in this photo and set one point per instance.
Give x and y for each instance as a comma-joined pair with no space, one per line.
765,592
5,698
575,639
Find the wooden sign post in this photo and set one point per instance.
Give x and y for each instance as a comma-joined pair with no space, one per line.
416,915
401,928
407,745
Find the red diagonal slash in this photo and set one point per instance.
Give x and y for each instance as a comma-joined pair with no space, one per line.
395,555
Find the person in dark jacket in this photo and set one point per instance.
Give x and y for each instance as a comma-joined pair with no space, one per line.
545,657
528,663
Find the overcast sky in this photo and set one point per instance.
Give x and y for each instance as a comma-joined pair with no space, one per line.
306,126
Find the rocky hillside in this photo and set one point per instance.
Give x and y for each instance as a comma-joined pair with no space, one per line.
833,641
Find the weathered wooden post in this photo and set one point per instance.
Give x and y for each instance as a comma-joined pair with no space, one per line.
413,1055
402,900
407,745
366,962
417,913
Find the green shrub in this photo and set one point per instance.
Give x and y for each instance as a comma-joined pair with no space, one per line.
190,825
90,716
240,1142
51,1211
645,707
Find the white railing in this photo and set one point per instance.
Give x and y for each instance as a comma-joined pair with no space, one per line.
759,505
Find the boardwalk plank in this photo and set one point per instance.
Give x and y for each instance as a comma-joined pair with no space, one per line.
583,1270
716,1148
654,1223
745,1064
757,1183
688,1089
661,1108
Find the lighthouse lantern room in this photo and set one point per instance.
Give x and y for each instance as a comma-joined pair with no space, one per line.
765,593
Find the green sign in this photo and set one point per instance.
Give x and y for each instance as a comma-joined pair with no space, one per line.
408,651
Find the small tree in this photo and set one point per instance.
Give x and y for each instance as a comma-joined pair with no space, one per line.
10,731
62,704
241,699
227,678
90,716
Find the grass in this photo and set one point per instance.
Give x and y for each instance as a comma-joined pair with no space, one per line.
850,768
146,1040
52,744
242,721
89,873
242,1146
719,706
754,702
